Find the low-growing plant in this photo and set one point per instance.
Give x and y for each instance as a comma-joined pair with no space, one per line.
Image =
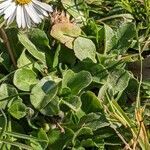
79,80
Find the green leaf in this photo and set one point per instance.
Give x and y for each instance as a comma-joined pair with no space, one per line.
58,140
56,56
84,48
53,136
5,61
39,37
124,36
67,56
6,91
17,109
81,131
78,148
43,92
67,75
72,81
72,7
65,91
24,79
42,143
2,125
90,103
75,83
88,143
118,80
24,60
52,107
16,144
72,102
109,39
98,71
42,135
94,2
31,48
94,121
89,118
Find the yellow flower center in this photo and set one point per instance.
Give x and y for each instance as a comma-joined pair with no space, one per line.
22,2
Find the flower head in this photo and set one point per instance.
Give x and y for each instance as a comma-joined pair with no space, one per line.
26,12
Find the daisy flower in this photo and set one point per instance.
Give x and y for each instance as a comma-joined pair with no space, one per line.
25,12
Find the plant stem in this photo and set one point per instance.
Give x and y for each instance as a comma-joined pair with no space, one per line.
138,99
5,124
115,16
2,133
122,138
7,44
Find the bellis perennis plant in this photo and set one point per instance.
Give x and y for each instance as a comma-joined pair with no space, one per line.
25,12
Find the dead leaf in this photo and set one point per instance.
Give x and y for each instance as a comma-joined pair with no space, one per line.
65,33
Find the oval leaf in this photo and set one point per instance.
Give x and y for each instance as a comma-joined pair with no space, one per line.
31,48
43,92
24,79
72,7
91,103
84,48
6,93
73,102
79,81
52,108
65,33
17,109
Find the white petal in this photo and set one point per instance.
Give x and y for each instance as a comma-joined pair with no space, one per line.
40,15
42,11
5,4
10,10
39,12
27,18
43,5
23,18
45,13
32,13
2,11
18,15
11,18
